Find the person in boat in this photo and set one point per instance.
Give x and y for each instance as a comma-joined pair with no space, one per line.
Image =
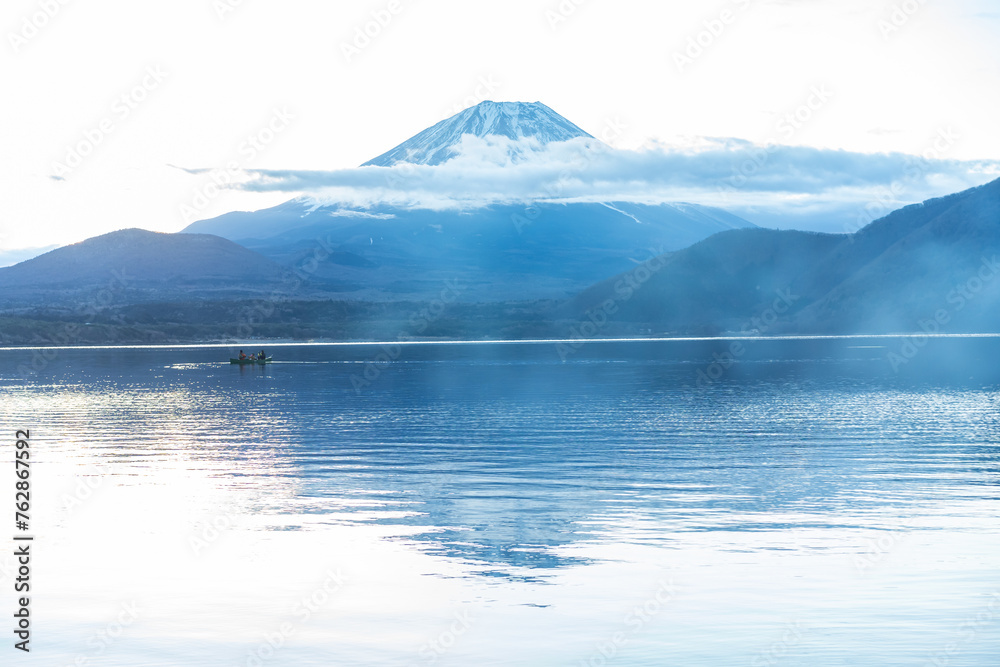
242,356
261,355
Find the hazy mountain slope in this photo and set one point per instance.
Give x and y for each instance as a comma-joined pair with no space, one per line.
719,284
932,260
135,259
500,251
929,253
260,224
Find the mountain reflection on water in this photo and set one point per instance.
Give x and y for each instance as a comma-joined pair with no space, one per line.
509,456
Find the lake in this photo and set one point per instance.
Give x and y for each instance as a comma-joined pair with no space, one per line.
827,501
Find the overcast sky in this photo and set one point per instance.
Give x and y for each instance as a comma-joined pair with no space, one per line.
109,102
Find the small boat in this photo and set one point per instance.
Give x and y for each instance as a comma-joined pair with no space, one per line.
250,360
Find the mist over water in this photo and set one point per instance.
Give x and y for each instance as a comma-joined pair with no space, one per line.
789,501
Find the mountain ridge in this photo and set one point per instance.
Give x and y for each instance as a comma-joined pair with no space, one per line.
545,250
930,261
136,258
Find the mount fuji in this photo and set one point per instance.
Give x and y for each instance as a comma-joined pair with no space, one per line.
500,251
513,120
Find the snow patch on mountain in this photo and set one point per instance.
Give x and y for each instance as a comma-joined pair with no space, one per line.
618,210
351,213
514,120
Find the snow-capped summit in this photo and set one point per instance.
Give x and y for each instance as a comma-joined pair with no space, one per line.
513,120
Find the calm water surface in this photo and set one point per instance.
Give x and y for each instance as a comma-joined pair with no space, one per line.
646,503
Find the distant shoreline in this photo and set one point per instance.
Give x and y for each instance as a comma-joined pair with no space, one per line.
525,341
